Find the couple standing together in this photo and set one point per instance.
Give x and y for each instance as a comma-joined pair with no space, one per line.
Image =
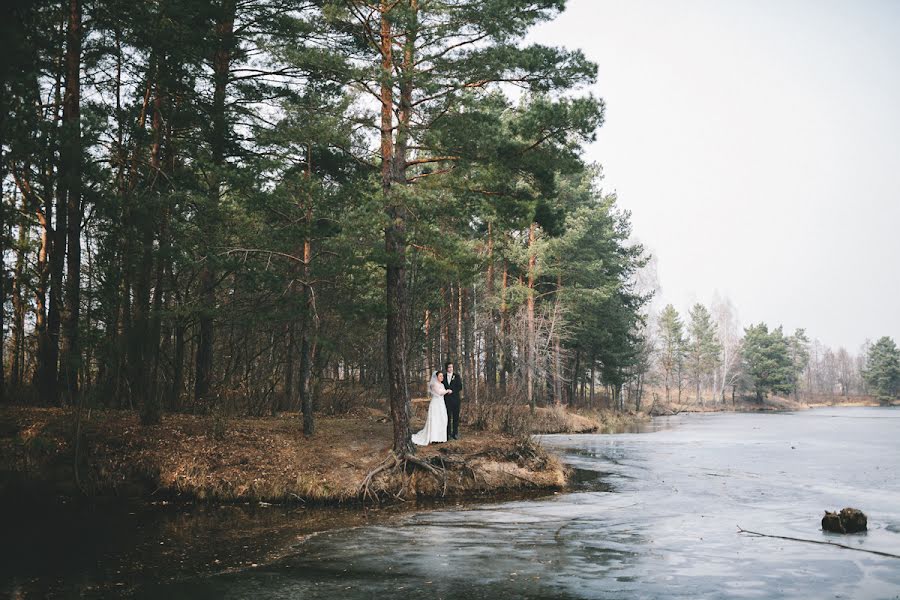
443,410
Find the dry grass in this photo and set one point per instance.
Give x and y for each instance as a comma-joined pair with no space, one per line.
518,419
770,403
259,459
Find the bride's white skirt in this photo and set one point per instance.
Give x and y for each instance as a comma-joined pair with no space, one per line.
435,429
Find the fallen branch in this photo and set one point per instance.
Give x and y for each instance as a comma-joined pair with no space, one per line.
793,539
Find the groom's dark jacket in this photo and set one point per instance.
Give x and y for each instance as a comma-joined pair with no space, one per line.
455,385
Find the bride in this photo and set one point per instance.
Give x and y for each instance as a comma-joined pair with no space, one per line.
435,429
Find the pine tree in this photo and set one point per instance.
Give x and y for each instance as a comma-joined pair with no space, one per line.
767,361
799,345
672,352
882,372
430,66
702,347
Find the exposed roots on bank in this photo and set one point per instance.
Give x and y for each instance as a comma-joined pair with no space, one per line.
404,465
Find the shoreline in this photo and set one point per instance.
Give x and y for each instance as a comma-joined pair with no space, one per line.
770,404
189,458
204,459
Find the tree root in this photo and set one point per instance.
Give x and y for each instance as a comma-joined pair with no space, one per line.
793,539
400,463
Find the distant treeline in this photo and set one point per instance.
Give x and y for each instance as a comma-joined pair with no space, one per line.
709,356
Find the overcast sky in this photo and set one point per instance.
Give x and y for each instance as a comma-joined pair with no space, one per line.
757,144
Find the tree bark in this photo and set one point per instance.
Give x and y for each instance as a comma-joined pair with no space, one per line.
49,368
557,350
490,334
287,402
18,359
452,324
506,365
70,174
2,290
393,166
221,71
593,380
576,375
530,357
143,347
42,372
429,343
310,319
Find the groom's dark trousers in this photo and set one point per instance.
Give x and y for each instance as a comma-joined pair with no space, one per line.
451,401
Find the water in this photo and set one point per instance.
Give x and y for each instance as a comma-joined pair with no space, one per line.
654,515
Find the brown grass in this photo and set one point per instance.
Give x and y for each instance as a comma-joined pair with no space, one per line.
258,459
770,403
517,419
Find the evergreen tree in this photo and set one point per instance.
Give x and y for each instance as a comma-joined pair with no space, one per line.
882,373
767,361
594,266
432,66
672,351
799,346
219,206
702,346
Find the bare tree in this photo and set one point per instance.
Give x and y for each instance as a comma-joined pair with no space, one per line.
728,332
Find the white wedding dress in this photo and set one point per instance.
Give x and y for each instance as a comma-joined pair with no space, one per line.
435,429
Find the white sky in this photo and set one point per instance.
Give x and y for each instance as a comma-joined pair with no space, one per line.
757,144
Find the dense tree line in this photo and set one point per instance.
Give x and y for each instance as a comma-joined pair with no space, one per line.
710,353
241,206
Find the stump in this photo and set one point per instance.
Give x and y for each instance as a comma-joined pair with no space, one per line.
849,520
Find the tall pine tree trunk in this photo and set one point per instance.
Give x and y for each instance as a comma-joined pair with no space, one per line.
573,386
557,350
593,382
174,403
310,320
530,358
18,359
288,399
393,167
144,342
221,70
70,174
49,369
3,219
506,365
490,334
41,329
452,324
429,343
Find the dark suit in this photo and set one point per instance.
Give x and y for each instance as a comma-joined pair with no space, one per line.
451,400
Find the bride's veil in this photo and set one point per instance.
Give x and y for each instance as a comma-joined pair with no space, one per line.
433,379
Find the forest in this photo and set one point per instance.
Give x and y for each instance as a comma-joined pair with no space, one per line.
229,206
248,207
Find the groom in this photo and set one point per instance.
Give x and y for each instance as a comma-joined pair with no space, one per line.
452,382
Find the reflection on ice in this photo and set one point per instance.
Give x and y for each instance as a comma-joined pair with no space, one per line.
652,515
